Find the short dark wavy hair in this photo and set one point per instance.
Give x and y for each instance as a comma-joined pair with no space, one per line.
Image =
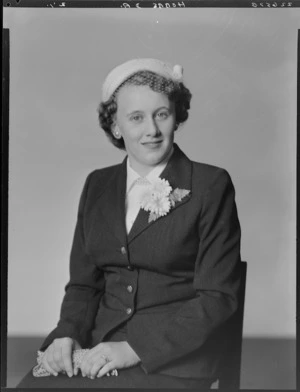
176,92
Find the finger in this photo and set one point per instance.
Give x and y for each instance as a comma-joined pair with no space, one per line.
49,368
90,365
92,360
84,366
51,360
66,353
76,345
106,369
96,367
53,365
57,360
58,353
88,361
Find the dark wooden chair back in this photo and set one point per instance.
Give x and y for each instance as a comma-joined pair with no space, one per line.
231,365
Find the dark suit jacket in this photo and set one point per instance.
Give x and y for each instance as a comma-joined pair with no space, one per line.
184,269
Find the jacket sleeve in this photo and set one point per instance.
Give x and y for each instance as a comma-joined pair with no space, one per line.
216,282
82,292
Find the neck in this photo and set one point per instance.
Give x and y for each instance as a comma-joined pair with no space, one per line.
144,170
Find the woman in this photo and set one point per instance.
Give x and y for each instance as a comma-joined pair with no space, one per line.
154,267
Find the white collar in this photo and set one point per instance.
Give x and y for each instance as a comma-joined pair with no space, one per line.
132,175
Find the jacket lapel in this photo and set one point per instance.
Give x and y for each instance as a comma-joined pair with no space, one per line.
178,173
112,203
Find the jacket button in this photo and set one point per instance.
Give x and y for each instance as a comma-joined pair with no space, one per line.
128,310
130,267
123,250
129,289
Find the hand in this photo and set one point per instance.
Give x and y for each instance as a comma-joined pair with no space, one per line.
107,356
58,356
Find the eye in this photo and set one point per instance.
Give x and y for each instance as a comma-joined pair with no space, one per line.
136,118
162,115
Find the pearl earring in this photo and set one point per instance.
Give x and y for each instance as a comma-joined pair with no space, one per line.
117,133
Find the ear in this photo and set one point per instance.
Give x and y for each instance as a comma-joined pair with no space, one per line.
116,131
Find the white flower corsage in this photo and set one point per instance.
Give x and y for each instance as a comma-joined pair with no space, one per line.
160,198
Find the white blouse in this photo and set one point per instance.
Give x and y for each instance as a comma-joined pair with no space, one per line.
136,186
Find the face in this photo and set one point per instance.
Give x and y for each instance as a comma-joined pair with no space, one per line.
146,121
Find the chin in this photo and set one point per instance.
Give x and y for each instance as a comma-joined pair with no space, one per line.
156,160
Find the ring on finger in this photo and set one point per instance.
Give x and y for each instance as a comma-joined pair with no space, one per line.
114,372
105,358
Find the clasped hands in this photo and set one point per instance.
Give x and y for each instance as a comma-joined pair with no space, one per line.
97,362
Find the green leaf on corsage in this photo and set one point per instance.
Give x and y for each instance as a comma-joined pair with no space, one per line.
152,217
178,194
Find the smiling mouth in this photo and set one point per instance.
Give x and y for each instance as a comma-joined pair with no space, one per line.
153,143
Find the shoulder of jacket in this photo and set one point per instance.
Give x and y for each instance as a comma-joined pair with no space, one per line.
103,174
208,170
207,175
98,179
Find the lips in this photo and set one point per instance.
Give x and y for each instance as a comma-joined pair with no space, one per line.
152,143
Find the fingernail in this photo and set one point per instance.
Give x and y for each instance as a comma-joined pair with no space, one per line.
55,374
70,374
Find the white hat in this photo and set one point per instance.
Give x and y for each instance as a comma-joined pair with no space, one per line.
122,72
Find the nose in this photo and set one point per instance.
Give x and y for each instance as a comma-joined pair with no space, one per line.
152,128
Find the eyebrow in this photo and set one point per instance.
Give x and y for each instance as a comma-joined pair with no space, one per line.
142,111
134,112
163,107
